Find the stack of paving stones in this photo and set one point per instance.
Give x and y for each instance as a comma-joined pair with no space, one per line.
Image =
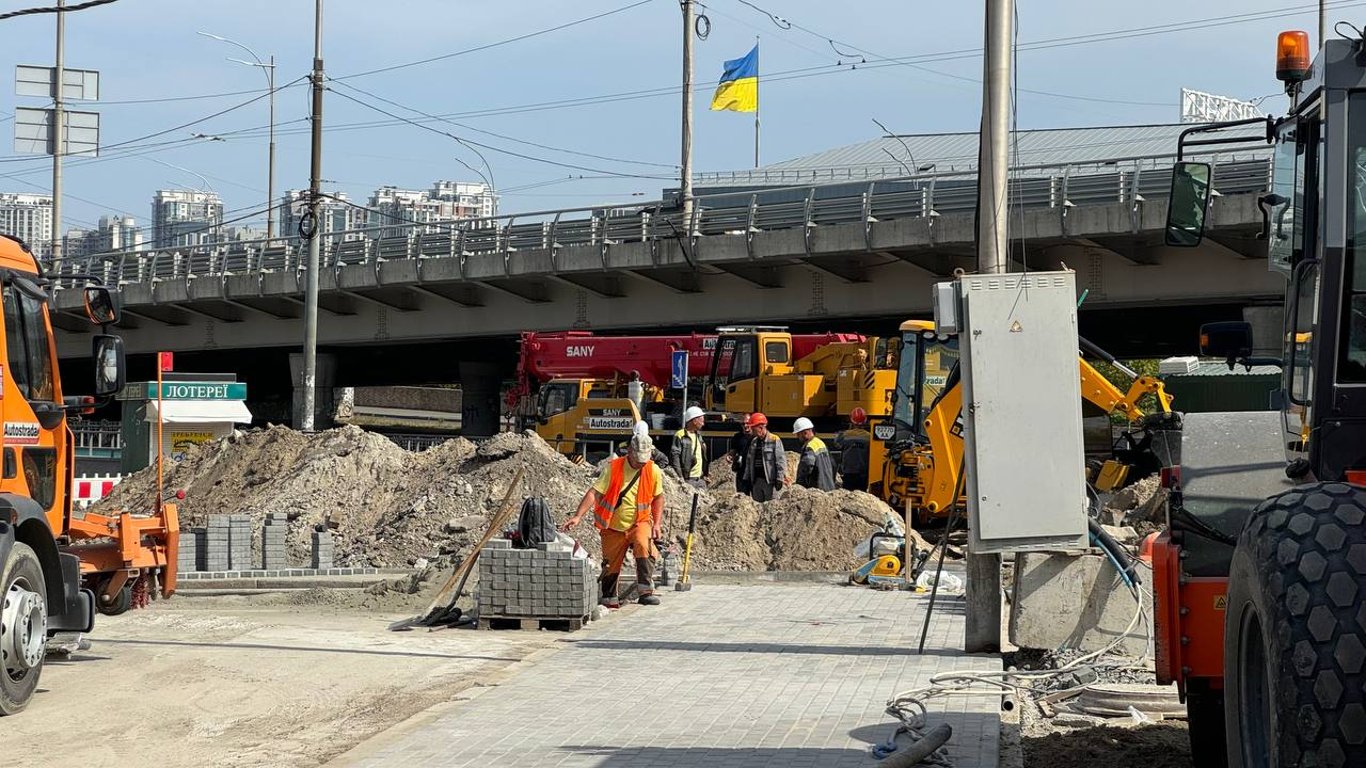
190,550
323,549
217,544
274,555
542,588
239,537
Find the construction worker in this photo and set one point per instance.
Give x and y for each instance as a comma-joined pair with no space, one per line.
766,464
815,469
688,455
627,501
738,449
853,444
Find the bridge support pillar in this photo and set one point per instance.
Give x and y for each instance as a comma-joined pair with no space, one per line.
326,377
480,408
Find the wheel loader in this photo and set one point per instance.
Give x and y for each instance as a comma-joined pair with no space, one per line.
1260,579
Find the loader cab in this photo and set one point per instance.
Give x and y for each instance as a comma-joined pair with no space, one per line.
925,363
1314,225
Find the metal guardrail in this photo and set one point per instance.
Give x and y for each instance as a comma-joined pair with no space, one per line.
1129,180
97,435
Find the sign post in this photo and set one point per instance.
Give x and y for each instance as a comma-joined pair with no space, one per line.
678,378
165,364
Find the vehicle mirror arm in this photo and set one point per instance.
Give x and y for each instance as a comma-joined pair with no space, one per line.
1265,203
1249,362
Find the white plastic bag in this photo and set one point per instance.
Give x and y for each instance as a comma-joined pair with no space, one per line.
948,582
579,551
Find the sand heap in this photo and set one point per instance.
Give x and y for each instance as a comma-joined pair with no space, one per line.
389,507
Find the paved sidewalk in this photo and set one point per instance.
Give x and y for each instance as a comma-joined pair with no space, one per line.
725,676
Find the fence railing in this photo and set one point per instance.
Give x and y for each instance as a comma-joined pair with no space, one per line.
1130,180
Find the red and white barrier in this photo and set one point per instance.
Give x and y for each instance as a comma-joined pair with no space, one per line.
88,489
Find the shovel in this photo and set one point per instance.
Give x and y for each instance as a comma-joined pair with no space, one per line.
443,610
684,584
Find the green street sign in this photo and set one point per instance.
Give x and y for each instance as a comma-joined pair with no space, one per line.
194,390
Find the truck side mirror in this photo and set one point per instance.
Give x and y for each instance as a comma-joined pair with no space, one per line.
1188,204
100,305
110,374
1230,340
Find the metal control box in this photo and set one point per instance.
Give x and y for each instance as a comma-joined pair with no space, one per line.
1024,454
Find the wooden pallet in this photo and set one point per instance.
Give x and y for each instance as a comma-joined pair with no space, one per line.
533,623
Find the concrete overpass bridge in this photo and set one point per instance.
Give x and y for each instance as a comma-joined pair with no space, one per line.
816,255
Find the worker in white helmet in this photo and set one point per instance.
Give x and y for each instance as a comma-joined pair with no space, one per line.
688,454
815,469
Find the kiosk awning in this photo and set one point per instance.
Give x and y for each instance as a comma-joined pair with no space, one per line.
201,411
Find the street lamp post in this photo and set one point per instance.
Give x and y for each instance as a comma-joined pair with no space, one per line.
269,69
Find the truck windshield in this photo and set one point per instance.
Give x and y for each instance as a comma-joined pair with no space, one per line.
27,344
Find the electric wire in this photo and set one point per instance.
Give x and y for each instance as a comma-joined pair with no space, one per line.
55,9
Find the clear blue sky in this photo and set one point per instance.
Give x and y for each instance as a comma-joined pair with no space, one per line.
149,49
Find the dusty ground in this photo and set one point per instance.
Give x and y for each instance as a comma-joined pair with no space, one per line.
1159,745
246,682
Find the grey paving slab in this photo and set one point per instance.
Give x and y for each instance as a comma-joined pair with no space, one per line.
742,676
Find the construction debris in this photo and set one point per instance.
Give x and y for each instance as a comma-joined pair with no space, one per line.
387,507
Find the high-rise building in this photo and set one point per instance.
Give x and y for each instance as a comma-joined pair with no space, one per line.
29,218
183,218
336,213
114,233
394,210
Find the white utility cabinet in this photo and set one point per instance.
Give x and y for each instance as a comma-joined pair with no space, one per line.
1024,455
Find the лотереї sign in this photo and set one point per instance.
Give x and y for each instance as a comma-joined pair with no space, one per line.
198,390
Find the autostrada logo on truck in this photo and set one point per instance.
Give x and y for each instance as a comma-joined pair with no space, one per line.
611,420
21,433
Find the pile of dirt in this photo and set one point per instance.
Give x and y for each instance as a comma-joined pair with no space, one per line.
1141,506
801,530
391,508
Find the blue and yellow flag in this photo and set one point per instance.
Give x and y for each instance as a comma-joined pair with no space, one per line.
739,88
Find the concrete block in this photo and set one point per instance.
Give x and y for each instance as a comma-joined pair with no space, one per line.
1068,601
498,544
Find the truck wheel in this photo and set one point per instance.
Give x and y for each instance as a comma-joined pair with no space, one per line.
1295,632
122,601
23,627
1205,720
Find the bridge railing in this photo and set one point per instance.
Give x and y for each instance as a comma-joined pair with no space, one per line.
766,208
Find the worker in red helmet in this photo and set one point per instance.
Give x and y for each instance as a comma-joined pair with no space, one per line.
853,445
767,464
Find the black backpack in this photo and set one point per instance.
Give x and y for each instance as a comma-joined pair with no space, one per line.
534,524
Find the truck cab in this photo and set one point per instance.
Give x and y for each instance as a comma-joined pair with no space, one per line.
41,576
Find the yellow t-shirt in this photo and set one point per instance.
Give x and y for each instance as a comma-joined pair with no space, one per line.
624,516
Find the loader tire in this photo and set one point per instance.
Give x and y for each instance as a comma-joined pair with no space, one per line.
121,603
1295,632
21,577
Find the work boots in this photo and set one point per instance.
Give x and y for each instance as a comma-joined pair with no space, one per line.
650,599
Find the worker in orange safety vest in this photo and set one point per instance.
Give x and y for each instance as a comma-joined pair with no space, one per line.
627,501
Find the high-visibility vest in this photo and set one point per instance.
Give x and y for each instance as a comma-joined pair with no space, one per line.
645,492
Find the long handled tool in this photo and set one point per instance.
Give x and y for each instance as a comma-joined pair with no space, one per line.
684,583
443,610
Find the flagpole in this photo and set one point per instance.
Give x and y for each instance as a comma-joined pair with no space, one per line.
756,101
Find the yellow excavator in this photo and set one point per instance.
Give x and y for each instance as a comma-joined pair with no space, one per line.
919,446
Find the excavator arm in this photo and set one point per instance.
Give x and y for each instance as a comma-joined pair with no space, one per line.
938,467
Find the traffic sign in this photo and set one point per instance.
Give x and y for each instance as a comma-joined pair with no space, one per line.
679,379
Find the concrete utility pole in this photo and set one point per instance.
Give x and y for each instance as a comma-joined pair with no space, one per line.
983,633
686,181
269,70
58,140
310,377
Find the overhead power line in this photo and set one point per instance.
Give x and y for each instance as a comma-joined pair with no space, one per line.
55,9
496,44
492,148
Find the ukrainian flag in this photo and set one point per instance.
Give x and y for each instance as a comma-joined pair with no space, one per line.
739,87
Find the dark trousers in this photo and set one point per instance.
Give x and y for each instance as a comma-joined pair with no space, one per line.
855,482
762,490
